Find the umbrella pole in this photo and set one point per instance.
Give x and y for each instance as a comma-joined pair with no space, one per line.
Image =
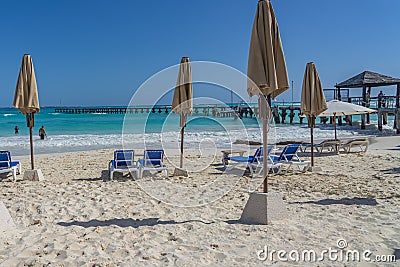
265,150
30,121
182,134
31,141
312,140
264,118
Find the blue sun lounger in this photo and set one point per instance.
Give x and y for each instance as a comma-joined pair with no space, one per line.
124,161
254,162
152,161
6,165
289,157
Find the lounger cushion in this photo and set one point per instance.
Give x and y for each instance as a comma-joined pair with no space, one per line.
241,159
150,162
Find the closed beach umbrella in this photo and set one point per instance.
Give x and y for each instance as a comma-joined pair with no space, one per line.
313,100
182,102
266,67
26,97
339,108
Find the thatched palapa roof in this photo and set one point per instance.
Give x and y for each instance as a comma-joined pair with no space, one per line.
368,79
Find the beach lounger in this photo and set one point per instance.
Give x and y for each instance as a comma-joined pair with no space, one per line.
6,165
289,156
254,162
361,143
330,145
226,153
124,161
152,161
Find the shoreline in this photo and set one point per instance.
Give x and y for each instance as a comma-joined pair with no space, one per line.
377,143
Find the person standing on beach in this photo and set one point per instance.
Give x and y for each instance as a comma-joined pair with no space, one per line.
42,133
16,130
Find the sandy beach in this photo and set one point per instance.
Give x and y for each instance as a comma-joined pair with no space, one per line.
76,217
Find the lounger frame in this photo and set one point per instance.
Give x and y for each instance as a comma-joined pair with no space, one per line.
289,157
253,162
7,166
362,144
153,160
124,161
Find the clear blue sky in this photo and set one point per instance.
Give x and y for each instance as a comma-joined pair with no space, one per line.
98,52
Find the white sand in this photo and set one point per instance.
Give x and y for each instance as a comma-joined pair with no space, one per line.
76,218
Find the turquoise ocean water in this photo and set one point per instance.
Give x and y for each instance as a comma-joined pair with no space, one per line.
74,132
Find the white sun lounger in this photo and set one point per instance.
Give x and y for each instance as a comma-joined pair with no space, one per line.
123,162
360,143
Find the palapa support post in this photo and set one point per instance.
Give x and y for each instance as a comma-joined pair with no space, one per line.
339,97
364,96
397,114
398,121
334,126
367,103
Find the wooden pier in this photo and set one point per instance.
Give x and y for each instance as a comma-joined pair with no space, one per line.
282,114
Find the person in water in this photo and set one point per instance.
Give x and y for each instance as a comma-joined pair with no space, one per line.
42,133
16,129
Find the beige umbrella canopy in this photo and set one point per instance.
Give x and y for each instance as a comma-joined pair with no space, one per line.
339,108
26,95
182,102
266,67
312,99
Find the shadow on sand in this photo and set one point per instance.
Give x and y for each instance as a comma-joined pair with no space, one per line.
126,222
392,171
395,148
105,177
397,253
239,222
318,154
342,201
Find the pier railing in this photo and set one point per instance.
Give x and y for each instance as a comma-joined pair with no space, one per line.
283,112
238,110
373,102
